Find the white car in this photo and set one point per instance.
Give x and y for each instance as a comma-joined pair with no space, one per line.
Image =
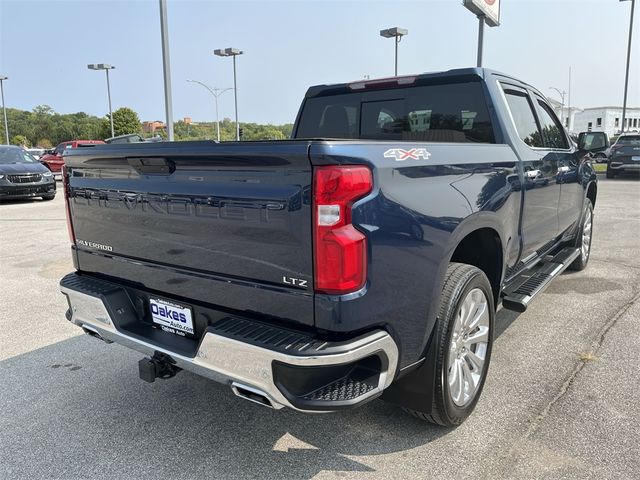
35,152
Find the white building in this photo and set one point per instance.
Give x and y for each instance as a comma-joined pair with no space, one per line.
606,119
597,119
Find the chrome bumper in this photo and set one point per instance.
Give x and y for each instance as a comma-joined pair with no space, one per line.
237,363
624,166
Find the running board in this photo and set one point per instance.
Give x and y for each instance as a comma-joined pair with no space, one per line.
524,287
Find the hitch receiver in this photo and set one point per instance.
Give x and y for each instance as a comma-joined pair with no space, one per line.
159,366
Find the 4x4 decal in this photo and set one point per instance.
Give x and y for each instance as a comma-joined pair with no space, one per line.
400,155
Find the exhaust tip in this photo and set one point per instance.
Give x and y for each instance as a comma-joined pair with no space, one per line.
251,394
94,333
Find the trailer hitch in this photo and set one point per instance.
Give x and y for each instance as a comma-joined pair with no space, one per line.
160,365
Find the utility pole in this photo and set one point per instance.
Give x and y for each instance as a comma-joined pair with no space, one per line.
166,68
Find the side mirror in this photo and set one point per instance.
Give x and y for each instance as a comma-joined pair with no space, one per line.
593,141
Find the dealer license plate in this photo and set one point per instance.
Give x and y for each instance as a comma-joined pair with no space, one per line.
171,317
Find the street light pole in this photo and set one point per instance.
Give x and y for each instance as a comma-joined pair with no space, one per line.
166,68
626,78
396,33
4,109
480,40
562,94
216,92
232,52
106,67
109,95
569,103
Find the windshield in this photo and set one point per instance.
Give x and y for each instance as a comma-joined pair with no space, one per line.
15,155
633,140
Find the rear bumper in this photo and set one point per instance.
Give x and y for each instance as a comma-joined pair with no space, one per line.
288,368
624,166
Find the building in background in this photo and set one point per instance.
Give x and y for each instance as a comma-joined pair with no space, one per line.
596,119
153,127
606,119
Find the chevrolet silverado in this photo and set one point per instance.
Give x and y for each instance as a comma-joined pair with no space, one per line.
363,258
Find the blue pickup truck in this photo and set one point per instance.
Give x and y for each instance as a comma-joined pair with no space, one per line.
363,258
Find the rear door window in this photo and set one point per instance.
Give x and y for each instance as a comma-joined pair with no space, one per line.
552,131
523,117
454,112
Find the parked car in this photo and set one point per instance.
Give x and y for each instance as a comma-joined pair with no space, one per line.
363,258
22,176
54,161
36,152
624,155
130,138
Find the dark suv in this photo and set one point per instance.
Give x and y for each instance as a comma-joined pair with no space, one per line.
625,155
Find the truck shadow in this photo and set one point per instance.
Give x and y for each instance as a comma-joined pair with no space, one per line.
185,427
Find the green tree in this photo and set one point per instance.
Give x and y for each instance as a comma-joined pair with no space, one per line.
20,140
125,121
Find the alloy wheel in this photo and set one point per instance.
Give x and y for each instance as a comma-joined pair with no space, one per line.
468,348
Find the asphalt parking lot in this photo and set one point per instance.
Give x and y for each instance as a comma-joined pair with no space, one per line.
560,401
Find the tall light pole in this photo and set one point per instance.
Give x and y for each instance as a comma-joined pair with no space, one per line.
562,94
569,103
106,67
626,78
4,109
216,92
166,68
397,33
232,52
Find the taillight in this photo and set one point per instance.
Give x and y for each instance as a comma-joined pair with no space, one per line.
340,250
67,209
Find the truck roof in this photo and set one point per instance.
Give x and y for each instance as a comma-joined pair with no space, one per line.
459,74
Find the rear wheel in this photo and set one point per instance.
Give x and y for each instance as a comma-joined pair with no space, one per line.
583,238
463,338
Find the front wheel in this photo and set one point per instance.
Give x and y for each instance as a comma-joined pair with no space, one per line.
583,238
463,337
49,197
610,173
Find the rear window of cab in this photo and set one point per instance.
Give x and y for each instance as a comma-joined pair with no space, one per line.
454,112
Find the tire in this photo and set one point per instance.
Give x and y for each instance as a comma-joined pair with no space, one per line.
610,173
48,197
581,242
461,283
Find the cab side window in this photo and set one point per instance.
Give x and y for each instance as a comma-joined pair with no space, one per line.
552,131
523,117
59,149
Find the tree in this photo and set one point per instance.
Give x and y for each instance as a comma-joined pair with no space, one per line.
125,121
20,140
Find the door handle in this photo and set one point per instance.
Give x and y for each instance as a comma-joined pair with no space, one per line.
531,174
563,169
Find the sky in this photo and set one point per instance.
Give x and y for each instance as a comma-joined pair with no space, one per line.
291,45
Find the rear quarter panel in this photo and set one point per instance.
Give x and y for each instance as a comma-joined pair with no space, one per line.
418,212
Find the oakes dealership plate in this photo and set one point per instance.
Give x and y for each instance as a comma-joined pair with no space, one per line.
171,317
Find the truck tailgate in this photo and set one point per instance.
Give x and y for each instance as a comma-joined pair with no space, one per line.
228,225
